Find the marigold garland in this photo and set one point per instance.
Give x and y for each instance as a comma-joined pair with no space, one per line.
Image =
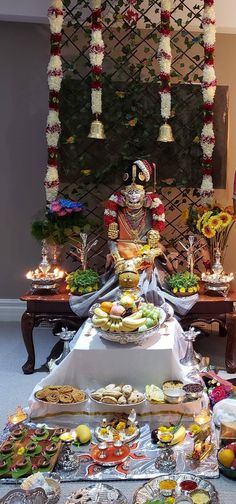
165,58
55,75
96,56
208,91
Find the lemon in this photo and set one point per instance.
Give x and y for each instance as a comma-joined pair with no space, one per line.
182,289
190,289
175,290
83,433
226,457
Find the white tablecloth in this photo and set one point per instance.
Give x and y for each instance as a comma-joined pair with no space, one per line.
94,362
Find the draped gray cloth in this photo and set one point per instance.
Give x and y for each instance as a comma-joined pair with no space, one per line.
152,288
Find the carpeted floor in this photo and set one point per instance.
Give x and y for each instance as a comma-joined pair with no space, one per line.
15,388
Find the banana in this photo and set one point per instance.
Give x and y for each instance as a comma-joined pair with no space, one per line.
97,321
179,435
135,315
100,313
128,321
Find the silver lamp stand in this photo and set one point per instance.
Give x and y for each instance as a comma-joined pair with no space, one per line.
66,336
190,359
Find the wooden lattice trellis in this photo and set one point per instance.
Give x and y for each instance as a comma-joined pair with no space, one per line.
130,60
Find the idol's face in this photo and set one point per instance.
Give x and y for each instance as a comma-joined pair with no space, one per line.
134,196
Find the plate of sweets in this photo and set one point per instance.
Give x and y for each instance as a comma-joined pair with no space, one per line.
126,320
122,395
122,427
61,394
177,489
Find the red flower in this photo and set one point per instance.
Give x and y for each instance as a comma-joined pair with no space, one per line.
96,26
97,70
165,31
131,16
159,225
111,205
108,219
218,393
159,210
96,85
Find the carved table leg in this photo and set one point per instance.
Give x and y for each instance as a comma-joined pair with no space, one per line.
27,325
231,343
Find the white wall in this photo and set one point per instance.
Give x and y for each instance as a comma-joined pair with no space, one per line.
36,11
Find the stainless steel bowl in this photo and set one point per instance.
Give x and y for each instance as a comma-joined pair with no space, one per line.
174,396
193,395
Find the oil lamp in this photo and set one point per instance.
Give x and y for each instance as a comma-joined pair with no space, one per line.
44,277
217,280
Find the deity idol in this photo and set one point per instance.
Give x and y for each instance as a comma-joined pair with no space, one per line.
135,219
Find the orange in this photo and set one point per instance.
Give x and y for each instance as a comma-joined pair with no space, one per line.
226,457
106,306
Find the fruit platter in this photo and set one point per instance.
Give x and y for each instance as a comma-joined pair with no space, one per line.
169,488
127,320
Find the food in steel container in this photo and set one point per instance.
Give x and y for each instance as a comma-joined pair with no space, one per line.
193,390
172,384
174,396
200,496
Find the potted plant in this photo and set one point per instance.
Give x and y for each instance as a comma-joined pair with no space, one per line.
183,283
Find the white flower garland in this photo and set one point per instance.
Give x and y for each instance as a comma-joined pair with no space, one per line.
165,59
208,91
55,75
96,56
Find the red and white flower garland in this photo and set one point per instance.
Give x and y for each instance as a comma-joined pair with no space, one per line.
152,201
55,75
96,56
165,58
208,91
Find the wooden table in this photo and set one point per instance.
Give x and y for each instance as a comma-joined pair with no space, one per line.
51,308
55,309
211,309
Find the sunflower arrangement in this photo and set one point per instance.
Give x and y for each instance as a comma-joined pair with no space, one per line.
213,223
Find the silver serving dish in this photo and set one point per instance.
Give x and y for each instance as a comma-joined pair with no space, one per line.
97,494
151,491
119,406
60,404
132,337
109,438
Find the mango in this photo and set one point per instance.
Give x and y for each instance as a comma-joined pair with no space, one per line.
83,433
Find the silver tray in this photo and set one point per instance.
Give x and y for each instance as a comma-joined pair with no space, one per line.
150,491
123,437
59,403
132,337
119,406
99,494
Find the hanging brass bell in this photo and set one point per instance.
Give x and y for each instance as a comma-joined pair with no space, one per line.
165,133
97,130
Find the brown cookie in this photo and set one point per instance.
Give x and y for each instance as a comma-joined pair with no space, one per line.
78,395
53,396
65,388
42,394
66,397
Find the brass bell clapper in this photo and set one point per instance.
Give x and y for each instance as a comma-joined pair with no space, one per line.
97,130
165,133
